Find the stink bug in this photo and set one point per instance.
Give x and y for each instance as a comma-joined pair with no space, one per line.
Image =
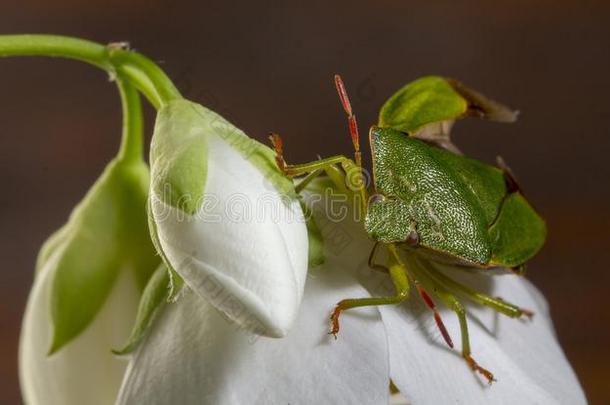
429,204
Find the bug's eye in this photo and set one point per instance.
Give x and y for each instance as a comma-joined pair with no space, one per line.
375,198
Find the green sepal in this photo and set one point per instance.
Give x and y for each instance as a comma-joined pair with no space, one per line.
314,237
179,151
106,232
175,281
261,156
435,99
56,239
152,301
178,155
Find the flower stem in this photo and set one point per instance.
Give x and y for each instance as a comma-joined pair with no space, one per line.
132,141
114,59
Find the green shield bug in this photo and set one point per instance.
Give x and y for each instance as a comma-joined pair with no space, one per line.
430,206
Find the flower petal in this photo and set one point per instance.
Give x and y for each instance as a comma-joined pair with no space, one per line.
194,356
524,356
84,371
245,250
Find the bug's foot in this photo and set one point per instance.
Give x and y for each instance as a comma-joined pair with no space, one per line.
278,147
527,313
474,366
334,322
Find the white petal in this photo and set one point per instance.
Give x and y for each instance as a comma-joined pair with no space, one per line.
245,250
194,356
524,356
84,371
398,399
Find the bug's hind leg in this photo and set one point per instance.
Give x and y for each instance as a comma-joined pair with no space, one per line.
398,273
439,289
496,304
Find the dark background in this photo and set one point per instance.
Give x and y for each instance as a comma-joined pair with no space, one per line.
269,66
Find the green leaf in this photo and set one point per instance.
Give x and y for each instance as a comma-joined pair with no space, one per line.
434,99
419,103
152,301
105,234
483,107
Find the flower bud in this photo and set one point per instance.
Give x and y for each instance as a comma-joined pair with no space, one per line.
226,219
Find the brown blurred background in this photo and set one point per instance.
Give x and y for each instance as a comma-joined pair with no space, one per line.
269,66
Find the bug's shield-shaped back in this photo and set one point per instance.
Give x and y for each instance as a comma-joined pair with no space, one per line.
460,207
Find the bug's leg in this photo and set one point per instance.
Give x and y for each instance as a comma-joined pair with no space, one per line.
497,304
278,147
307,179
352,175
437,316
456,306
306,168
371,262
398,273
429,302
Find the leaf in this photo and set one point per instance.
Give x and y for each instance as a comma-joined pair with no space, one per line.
434,100
422,102
152,301
106,233
483,107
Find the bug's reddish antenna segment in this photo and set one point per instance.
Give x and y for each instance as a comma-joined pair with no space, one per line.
437,316
343,95
351,118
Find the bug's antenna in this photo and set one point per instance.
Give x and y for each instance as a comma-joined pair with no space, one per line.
437,316
351,119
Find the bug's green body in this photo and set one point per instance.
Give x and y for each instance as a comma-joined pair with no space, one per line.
459,207
440,206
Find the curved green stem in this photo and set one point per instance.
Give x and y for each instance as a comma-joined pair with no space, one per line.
141,71
129,62
132,141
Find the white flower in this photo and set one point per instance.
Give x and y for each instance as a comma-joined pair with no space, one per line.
88,280
212,191
84,371
195,356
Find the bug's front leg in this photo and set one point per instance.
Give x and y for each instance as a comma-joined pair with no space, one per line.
398,273
343,171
